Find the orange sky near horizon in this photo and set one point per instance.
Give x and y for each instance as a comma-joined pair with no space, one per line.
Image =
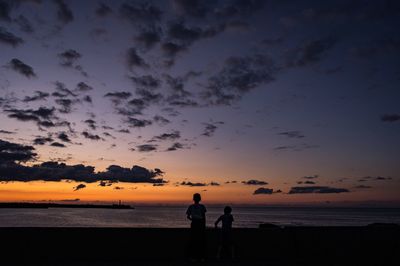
170,194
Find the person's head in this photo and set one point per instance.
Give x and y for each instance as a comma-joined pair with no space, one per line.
227,210
196,197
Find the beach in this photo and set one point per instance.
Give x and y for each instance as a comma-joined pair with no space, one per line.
363,245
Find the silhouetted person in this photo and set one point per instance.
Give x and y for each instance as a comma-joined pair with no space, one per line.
197,214
225,241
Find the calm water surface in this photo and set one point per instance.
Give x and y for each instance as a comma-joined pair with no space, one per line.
175,217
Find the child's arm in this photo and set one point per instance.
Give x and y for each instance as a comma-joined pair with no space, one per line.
217,221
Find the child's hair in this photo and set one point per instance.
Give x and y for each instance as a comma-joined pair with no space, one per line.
227,210
196,197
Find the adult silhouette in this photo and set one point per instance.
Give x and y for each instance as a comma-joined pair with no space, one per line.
196,213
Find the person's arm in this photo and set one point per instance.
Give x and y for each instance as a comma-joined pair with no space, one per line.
188,212
217,221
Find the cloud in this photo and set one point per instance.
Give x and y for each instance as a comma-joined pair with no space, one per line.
238,76
146,147
22,68
105,183
39,95
161,120
309,53
300,147
254,182
148,38
171,49
118,97
57,144
9,38
374,178
10,170
91,123
175,146
134,60
308,182
390,118
66,105
63,137
42,140
6,132
187,35
82,86
263,190
141,14
292,134
174,135
80,186
193,8
62,91
210,128
134,122
91,136
190,184
24,24
5,10
42,116
87,99
69,57
103,10
198,184
64,13
14,152
239,8
362,187
316,189
147,81
310,177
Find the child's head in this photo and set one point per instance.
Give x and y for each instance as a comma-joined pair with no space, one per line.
227,210
196,197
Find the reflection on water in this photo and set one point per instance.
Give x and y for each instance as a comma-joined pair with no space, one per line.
175,217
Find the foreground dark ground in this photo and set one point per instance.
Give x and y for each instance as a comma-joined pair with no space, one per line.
372,245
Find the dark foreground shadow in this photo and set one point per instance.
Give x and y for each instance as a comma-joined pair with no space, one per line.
374,245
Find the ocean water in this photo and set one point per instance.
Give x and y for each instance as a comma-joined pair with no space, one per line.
174,217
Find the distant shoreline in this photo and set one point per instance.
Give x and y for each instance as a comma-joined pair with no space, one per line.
23,205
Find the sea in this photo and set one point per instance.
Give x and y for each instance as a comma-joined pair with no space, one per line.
174,217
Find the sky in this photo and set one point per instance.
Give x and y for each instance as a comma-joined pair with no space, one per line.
246,102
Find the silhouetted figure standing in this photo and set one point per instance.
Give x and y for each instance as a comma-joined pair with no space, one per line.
197,214
225,241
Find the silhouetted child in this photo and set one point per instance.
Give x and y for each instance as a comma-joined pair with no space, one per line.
225,240
197,214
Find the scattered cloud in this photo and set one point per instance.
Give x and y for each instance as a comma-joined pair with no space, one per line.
266,191
103,10
146,147
292,134
64,13
11,170
317,189
9,38
254,182
39,95
238,76
91,136
390,118
22,68
80,186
